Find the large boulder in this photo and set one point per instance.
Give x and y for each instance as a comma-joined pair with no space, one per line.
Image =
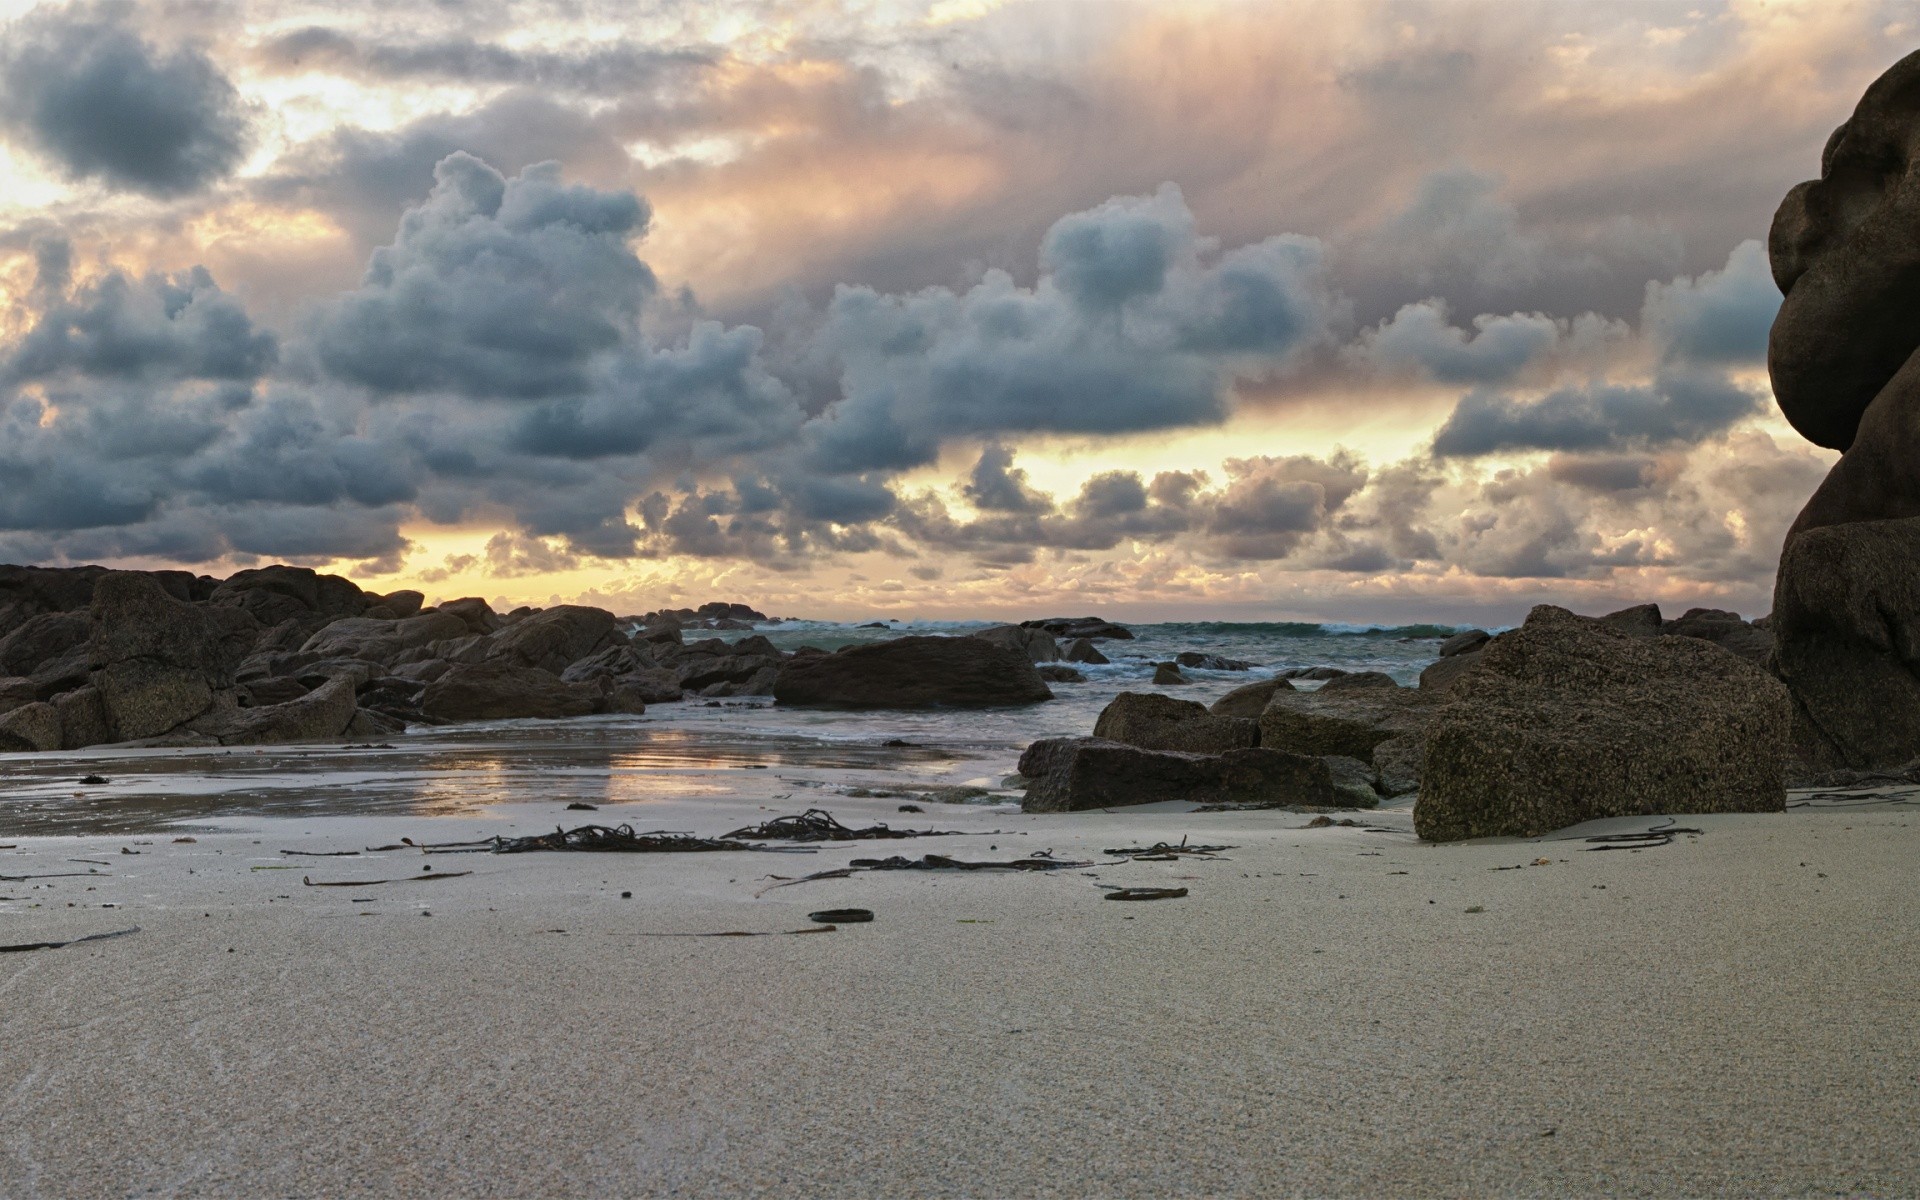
41,639
1037,644
553,639
382,641
322,713
1075,774
1846,626
1154,721
1444,673
1565,720
1249,700
1464,642
83,718
27,592
278,593
158,662
1081,627
493,691
912,672
1725,630
477,613
33,726
1359,679
1349,723
1082,650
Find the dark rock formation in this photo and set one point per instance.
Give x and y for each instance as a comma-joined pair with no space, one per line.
1082,627
158,661
1249,700
1725,630
33,726
1155,722
1380,726
1642,620
1359,679
1037,644
1075,774
1443,673
1312,673
1210,662
912,672
1566,720
324,712
1464,642
1057,673
1082,650
498,690
1167,675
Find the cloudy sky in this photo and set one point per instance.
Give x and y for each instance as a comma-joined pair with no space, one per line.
1358,311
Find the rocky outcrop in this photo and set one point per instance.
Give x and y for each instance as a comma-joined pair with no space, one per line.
278,593
1249,700
382,641
477,613
42,639
499,690
33,726
159,662
1359,679
83,718
1464,642
1167,675
322,713
1037,644
1059,673
1566,720
1379,726
1082,650
1641,620
1092,628
555,638
1075,774
1725,630
1156,722
912,672
1210,662
1443,673
1846,623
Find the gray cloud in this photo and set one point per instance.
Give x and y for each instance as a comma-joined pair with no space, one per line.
1720,317
493,287
81,87
620,68
1676,407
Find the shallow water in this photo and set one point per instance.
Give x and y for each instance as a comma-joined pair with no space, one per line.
736,755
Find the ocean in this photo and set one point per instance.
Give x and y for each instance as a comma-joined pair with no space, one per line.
738,758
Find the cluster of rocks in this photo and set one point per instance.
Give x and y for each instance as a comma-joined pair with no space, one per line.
283,654
716,614
1564,719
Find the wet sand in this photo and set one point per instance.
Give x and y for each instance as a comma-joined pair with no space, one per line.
1323,1014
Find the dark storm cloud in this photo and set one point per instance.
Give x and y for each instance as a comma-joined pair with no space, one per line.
996,485
178,326
83,88
1720,317
1130,327
1677,407
622,68
493,287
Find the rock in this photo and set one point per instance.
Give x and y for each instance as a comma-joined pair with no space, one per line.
1440,676
1055,673
1081,627
1209,662
41,639
322,713
626,696
1396,764
33,726
1464,642
609,662
262,692
379,641
1349,723
499,690
83,719
1642,620
1167,675
159,661
404,603
1846,628
1156,722
554,638
912,672
1037,644
16,691
427,670
1566,721
1725,630
655,685
276,593
1352,782
707,664
1082,650
1075,774
1845,257
1359,679
477,613
356,671
1249,700
27,592
1312,673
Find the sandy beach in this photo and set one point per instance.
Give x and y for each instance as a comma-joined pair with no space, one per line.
1330,1011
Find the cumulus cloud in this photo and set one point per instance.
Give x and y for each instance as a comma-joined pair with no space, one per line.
1133,324
1676,407
600,68
1720,316
80,86
493,287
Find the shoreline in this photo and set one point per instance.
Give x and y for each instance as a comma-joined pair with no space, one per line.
1705,1017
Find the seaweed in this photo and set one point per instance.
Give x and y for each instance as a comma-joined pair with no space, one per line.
819,825
1142,893
18,947
377,882
1039,860
1164,852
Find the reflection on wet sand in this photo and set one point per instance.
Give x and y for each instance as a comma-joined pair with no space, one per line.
437,773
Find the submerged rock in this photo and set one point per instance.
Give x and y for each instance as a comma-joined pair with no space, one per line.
1037,644
1210,662
1167,675
1075,774
1156,722
1566,720
1055,673
1082,650
912,672
1081,627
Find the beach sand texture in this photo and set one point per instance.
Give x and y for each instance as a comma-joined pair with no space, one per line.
1730,1014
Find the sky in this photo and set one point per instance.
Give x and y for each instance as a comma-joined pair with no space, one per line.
1365,312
